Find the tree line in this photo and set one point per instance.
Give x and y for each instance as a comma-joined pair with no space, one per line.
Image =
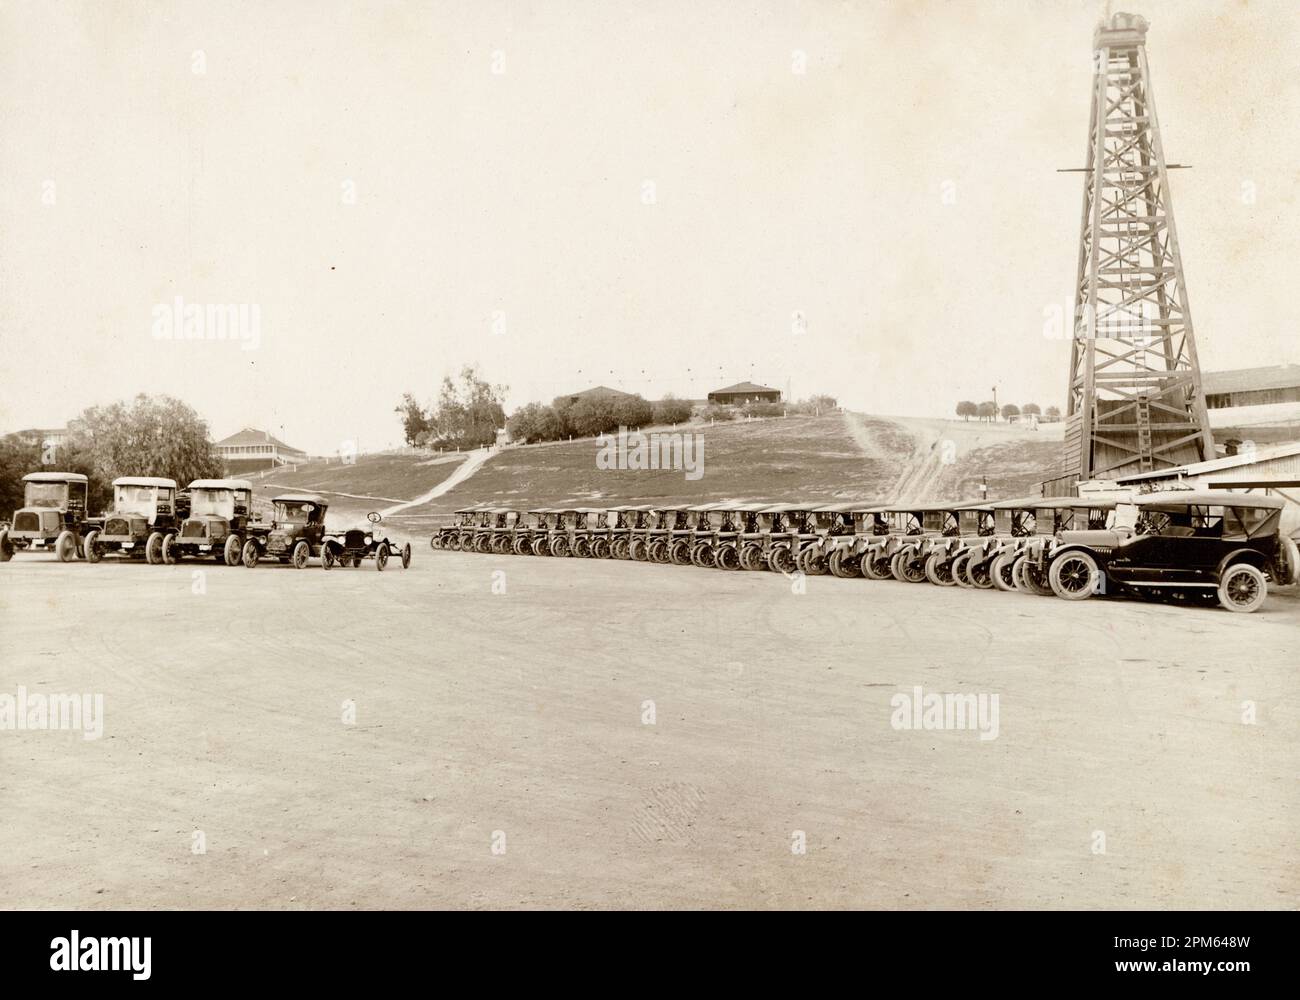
145,436
988,410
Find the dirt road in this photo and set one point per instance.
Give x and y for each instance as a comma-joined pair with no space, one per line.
1121,775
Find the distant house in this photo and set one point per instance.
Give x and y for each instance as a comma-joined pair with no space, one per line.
52,437
745,392
251,450
599,390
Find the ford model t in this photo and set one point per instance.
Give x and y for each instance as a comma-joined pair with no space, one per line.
296,534
143,516
51,517
351,547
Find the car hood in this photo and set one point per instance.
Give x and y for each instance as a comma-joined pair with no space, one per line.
1094,539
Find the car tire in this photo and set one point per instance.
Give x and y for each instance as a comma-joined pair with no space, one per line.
1074,576
406,555
232,550
679,553
89,546
171,550
65,546
381,556
560,547
250,554
781,560
938,570
6,546
979,573
1242,588
301,553
327,557
1002,571
876,566
1287,562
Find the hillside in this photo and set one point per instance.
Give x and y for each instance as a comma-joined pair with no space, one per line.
827,458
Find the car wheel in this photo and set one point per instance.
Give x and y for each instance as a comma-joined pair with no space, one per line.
938,570
232,550
1287,568
381,556
90,547
406,555
560,546
961,570
1242,588
301,553
1074,576
727,558
1001,572
171,550
327,557
6,546
65,546
979,573
876,566
251,553
679,553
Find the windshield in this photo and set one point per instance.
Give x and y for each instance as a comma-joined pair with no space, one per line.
139,499
292,513
971,521
46,495
207,501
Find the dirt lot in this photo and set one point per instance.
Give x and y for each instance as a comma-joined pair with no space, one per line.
523,714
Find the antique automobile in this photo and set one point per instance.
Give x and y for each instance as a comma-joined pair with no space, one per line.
682,533
540,520
1225,544
349,548
561,531
296,534
974,524
590,530
448,535
521,533
504,523
739,527
51,517
143,515
639,521
219,523
481,534
663,522
833,527
873,529
774,543
913,529
708,520
1029,569
1013,523
622,524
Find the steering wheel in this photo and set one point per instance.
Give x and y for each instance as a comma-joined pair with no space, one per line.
374,517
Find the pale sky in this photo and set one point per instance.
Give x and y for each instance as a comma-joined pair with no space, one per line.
128,179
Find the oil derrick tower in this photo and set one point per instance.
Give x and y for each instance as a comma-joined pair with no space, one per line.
1135,399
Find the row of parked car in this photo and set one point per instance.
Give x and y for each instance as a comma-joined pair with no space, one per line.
1179,545
153,520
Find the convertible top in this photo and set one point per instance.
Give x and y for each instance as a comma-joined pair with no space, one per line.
1175,499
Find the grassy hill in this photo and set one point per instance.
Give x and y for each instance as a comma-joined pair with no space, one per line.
826,458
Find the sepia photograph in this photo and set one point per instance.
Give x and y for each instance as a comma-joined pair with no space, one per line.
649,455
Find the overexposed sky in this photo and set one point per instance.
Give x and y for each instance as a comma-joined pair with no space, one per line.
385,180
